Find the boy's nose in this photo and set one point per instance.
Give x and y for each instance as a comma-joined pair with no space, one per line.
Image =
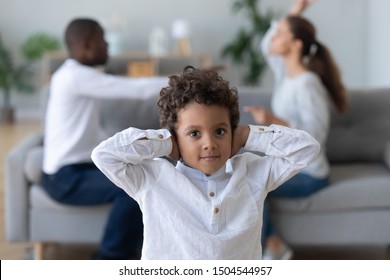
209,143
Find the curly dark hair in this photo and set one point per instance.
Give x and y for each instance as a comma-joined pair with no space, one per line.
202,86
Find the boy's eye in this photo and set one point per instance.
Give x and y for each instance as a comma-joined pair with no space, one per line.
193,133
221,131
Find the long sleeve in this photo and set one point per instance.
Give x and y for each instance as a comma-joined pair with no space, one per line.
288,151
127,158
74,78
108,86
313,109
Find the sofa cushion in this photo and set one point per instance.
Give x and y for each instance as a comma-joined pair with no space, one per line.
33,165
353,187
362,132
118,114
252,97
40,199
57,222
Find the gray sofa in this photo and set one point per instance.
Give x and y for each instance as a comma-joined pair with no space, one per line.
353,210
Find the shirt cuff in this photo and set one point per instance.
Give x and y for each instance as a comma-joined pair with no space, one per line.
259,138
160,139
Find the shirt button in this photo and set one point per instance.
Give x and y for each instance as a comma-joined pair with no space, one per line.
261,129
212,193
216,210
160,136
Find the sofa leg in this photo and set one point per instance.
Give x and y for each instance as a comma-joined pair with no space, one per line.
39,250
387,253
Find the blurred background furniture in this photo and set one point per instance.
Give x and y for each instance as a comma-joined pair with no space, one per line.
136,63
353,211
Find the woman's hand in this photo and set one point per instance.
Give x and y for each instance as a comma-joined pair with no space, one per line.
299,6
175,153
263,116
260,115
240,136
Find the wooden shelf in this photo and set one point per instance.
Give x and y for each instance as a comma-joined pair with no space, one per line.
135,63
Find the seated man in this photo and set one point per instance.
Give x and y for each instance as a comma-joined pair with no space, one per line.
73,129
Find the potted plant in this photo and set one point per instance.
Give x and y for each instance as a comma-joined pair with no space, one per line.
245,48
18,78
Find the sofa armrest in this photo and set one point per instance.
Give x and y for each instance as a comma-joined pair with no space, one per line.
16,189
387,155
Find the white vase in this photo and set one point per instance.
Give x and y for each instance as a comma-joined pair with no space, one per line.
158,42
115,42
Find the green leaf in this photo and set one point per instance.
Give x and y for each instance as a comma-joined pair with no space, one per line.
12,77
238,47
244,49
237,6
22,76
38,44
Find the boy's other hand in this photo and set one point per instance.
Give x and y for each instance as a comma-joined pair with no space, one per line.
240,136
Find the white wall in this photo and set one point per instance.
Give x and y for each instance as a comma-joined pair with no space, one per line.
341,24
378,67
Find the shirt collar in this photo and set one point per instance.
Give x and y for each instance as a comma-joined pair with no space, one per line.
196,174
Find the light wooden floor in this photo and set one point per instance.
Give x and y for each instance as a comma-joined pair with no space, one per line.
10,135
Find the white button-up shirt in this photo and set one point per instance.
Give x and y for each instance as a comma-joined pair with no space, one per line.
72,127
189,215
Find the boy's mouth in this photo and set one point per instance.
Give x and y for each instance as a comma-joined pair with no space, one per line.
209,158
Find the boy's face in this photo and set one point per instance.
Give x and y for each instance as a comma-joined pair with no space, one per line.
204,136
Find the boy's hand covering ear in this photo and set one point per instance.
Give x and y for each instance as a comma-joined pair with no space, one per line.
240,136
175,153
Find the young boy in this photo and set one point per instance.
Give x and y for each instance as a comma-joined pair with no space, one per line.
210,205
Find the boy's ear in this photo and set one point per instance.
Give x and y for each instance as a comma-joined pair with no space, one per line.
173,132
